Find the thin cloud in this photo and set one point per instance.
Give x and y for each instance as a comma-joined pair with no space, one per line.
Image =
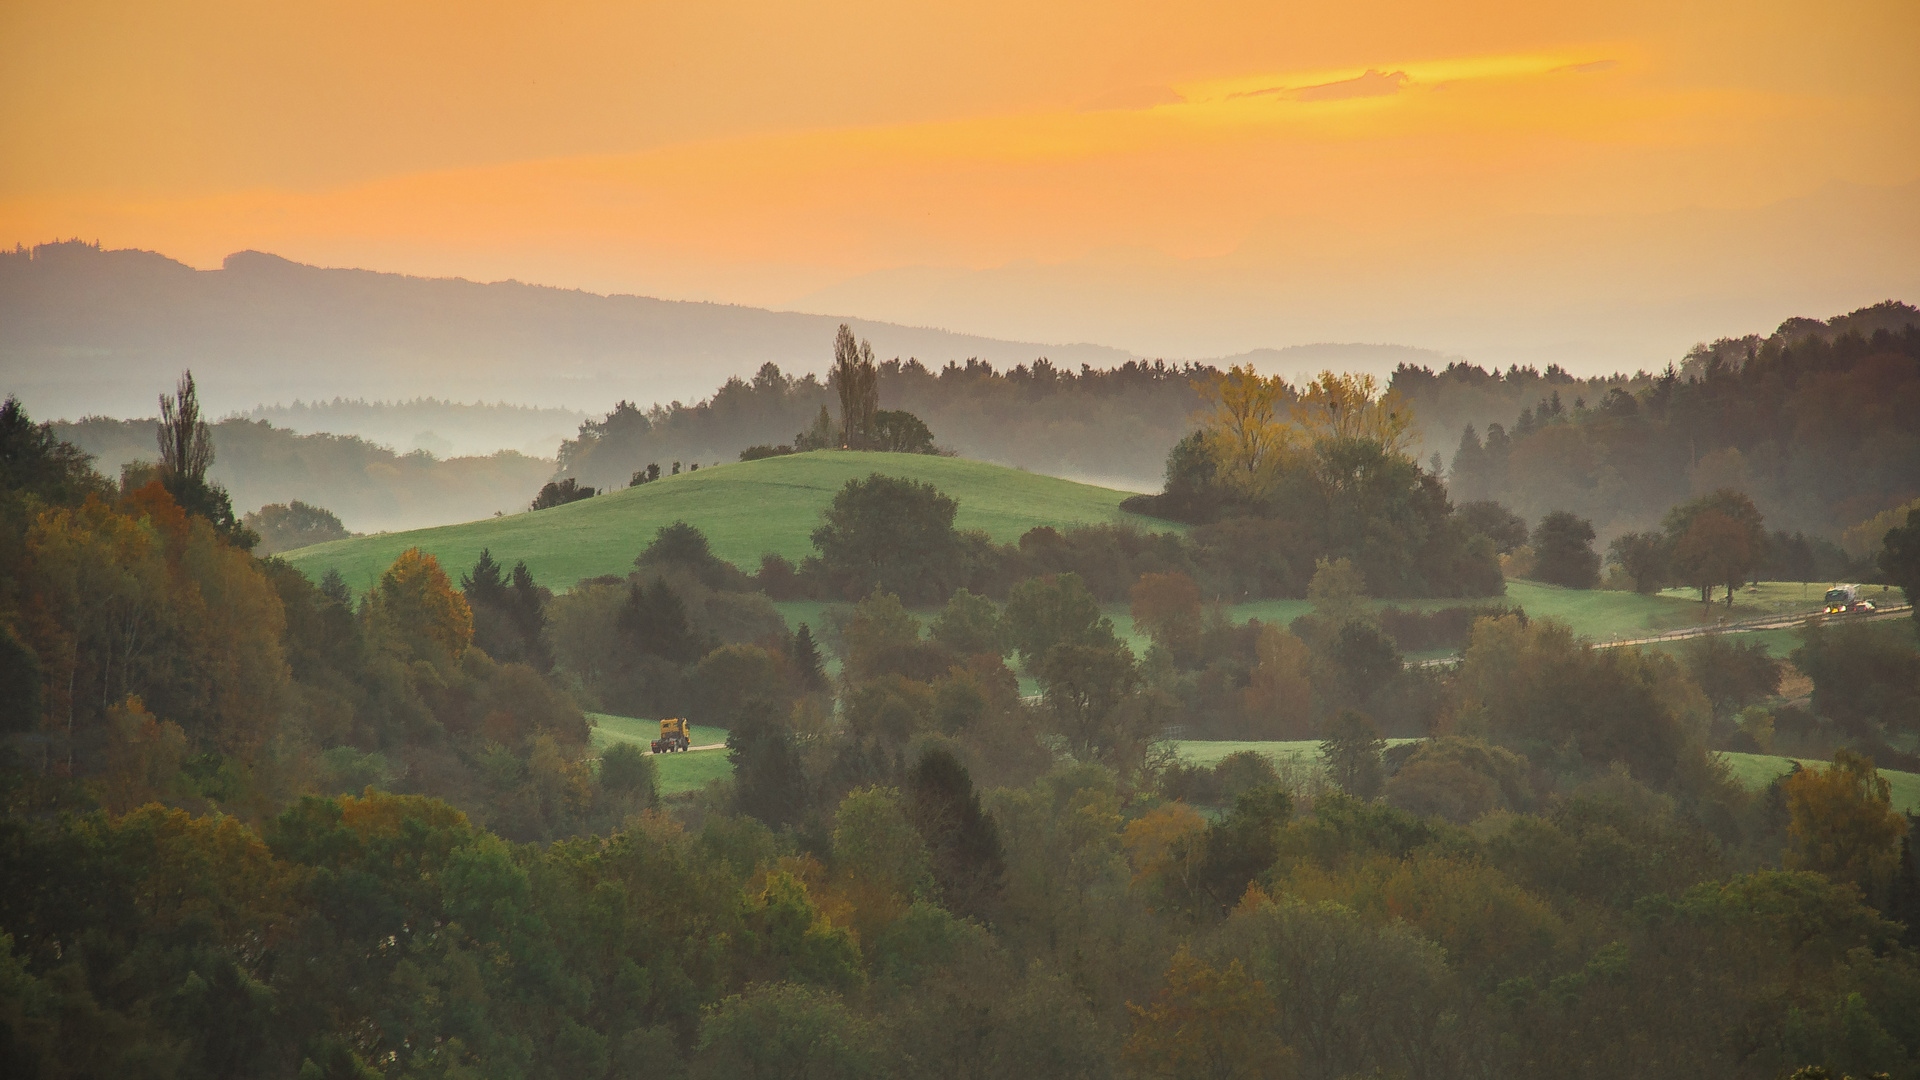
1371,84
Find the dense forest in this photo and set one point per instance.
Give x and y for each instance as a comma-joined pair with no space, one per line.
1107,425
1815,423
260,826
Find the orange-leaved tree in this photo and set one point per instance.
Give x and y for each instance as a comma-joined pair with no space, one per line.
1167,607
417,599
1207,1022
1166,846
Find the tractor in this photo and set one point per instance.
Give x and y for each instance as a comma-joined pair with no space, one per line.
674,735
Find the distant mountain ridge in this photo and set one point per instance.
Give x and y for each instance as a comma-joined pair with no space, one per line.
85,330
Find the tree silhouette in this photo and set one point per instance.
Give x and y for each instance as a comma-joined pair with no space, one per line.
186,443
1563,551
857,382
1900,560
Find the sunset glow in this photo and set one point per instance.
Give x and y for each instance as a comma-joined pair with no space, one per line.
755,154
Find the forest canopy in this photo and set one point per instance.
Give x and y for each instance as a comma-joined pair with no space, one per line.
258,825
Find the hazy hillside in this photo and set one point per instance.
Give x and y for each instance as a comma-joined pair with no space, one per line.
85,331
1814,422
370,487
442,428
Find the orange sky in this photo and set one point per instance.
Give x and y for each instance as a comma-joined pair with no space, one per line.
1183,179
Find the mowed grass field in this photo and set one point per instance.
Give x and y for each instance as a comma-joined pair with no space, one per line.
1758,770
1210,752
1755,771
689,771
1597,614
745,508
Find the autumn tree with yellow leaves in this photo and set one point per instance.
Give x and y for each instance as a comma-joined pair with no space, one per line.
1841,823
1247,428
417,599
1349,406
1256,424
1208,1023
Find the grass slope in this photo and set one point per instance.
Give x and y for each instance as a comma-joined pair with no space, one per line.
746,509
1597,614
1212,751
1755,771
1758,770
688,771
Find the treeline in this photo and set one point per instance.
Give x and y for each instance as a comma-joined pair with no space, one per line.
262,827
444,428
1814,423
1113,424
369,487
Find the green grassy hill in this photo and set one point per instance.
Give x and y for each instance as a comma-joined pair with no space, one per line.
746,509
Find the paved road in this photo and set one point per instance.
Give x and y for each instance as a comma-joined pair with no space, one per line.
1771,622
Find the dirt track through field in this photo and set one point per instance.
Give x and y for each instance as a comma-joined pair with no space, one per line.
1770,622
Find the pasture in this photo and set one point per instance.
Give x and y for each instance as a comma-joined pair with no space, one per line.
689,771
1754,771
1596,614
746,509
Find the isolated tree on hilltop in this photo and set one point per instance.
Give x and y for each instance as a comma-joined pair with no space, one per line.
857,382
560,493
